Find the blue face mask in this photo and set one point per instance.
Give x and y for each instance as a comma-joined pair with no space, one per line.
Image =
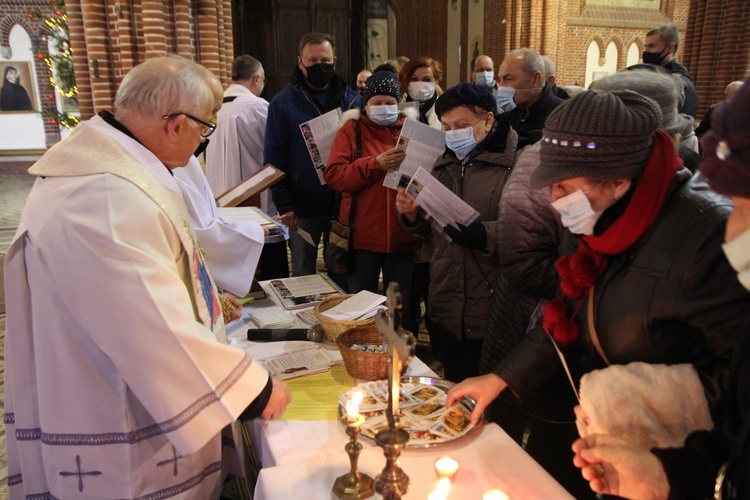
384,115
504,99
485,78
461,141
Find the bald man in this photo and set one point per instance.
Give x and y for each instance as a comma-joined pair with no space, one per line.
705,124
483,73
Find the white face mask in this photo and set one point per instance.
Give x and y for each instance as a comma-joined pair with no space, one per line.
576,213
421,91
738,255
485,78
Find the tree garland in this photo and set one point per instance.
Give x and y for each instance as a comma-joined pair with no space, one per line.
62,78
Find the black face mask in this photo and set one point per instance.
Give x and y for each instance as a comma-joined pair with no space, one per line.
654,57
319,75
201,148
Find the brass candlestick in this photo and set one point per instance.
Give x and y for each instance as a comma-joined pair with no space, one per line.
353,484
392,482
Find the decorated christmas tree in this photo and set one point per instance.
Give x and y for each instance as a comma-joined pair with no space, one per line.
53,47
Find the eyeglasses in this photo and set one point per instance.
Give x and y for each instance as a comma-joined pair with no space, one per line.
209,126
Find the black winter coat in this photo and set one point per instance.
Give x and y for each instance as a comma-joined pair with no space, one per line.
670,298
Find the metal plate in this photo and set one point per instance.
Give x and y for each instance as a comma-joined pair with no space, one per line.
444,385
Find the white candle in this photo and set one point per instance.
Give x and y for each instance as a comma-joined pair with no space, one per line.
494,495
352,407
441,490
446,467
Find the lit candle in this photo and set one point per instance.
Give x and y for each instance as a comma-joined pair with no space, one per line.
446,467
494,495
441,490
352,407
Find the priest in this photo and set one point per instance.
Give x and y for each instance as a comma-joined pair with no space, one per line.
118,378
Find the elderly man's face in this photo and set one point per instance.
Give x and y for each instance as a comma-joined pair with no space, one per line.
511,74
362,79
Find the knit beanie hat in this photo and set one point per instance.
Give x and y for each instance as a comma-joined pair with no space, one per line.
469,94
726,146
598,135
381,83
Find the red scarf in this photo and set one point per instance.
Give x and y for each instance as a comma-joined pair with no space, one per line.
581,270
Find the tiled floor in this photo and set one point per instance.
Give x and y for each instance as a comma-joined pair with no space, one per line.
14,188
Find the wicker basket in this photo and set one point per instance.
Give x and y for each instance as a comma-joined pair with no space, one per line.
334,327
364,365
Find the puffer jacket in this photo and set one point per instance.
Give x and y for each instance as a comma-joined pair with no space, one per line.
530,231
376,224
461,279
285,148
670,298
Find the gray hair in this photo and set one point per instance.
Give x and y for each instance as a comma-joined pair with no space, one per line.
668,34
531,61
549,67
165,85
245,67
660,87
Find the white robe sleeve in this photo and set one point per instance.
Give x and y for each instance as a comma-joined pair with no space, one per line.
232,248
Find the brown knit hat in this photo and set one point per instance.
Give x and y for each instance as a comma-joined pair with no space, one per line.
599,135
727,146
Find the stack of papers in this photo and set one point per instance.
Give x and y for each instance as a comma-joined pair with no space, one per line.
307,359
272,317
361,306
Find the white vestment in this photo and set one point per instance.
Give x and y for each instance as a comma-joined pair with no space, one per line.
235,151
232,247
116,384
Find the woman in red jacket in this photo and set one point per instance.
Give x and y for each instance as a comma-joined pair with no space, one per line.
380,241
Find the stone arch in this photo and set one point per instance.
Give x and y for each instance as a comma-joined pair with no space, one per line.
638,42
6,24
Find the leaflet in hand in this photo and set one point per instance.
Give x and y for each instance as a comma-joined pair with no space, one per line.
439,202
318,134
360,306
422,144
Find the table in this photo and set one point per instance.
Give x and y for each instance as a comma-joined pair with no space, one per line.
303,458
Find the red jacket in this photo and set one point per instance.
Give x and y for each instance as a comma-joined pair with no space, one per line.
376,224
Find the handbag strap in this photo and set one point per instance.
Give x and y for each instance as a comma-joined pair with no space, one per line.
592,328
355,195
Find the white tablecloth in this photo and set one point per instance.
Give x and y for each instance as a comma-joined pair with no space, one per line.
301,459
488,459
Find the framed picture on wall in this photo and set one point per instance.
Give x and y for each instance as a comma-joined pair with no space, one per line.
18,88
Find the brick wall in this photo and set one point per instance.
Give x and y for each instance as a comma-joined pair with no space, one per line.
110,37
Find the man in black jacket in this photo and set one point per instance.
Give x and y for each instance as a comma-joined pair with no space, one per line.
660,46
523,71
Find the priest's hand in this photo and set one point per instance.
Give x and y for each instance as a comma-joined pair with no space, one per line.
391,158
289,219
613,466
234,309
277,403
406,206
473,236
484,389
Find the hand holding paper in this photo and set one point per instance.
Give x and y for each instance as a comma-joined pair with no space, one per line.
406,206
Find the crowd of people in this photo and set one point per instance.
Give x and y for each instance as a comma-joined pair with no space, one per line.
609,245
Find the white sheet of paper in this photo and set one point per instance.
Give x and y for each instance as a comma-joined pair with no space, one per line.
422,144
318,134
355,307
438,201
305,236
